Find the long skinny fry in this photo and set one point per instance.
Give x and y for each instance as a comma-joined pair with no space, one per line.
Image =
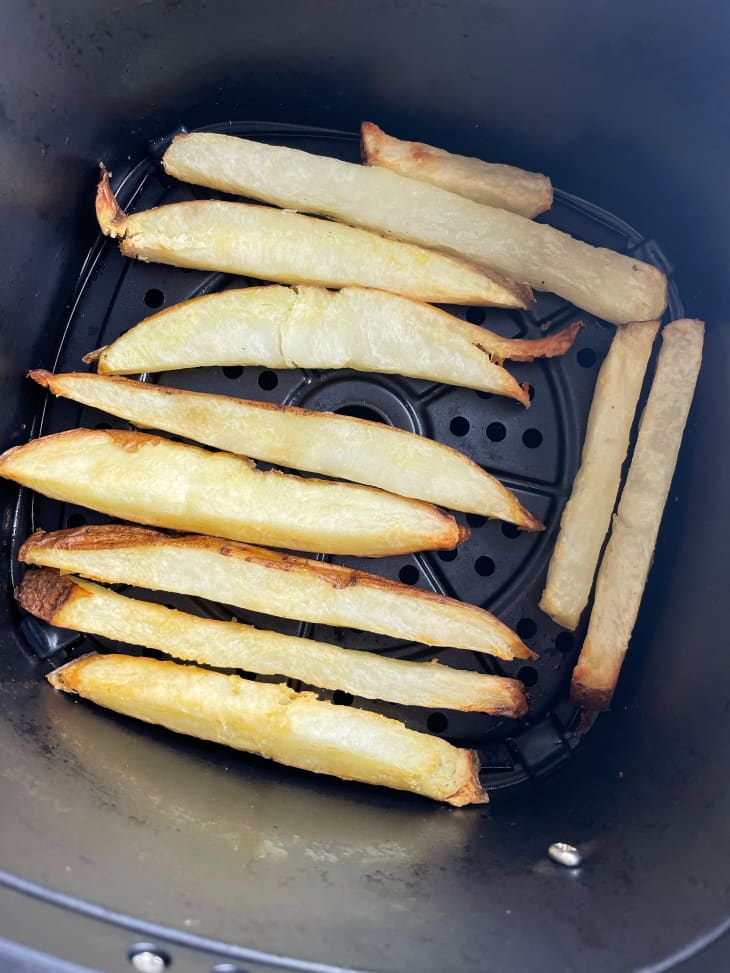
257,241
608,284
626,563
310,327
292,728
333,445
587,514
86,607
272,583
507,187
152,480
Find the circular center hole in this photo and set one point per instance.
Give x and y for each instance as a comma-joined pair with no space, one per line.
361,412
437,722
154,297
496,431
409,574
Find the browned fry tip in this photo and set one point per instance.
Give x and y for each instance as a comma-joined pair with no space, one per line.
110,215
43,592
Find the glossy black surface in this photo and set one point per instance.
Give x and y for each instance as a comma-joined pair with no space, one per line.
622,105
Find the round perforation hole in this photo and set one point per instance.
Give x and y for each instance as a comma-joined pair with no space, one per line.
459,426
233,371
409,574
449,555
475,520
530,391
268,381
485,395
484,566
586,357
526,628
154,297
76,520
341,698
361,412
511,531
437,723
528,676
102,425
496,431
532,438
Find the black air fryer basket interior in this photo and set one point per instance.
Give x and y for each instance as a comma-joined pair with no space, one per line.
115,833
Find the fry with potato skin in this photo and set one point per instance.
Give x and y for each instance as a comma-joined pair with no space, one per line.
273,721
507,187
271,582
333,445
608,284
310,327
148,479
627,560
587,514
77,604
258,241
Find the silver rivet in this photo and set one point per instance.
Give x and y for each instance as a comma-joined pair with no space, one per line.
148,962
564,854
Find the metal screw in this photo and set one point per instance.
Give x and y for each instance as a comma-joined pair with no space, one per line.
147,961
564,854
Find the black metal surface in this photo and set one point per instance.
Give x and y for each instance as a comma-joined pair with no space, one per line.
618,104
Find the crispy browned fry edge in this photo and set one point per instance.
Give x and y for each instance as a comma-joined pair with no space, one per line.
45,593
110,536
110,215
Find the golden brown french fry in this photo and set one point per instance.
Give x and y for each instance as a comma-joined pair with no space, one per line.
86,607
151,480
336,446
295,729
273,583
238,238
507,187
626,563
608,284
310,327
587,514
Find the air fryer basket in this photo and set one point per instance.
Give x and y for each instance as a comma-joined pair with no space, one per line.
189,847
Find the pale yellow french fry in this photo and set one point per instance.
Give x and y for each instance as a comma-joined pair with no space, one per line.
152,480
587,514
273,721
238,238
626,563
507,187
608,284
333,445
270,582
310,327
86,607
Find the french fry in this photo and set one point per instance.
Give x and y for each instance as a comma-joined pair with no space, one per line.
507,187
587,514
273,583
238,238
152,480
310,327
333,445
626,563
86,607
273,721
608,284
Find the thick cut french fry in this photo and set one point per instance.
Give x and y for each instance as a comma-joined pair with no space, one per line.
587,514
272,583
152,480
626,563
310,327
608,284
86,607
295,729
507,187
337,446
238,238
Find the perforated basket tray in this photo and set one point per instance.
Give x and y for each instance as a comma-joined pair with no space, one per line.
534,451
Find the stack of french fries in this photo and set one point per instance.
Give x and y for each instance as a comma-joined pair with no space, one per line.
413,226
